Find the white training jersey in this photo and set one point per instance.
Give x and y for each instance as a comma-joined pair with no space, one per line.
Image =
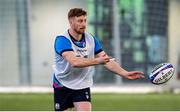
64,73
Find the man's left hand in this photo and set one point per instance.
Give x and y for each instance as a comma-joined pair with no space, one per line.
132,75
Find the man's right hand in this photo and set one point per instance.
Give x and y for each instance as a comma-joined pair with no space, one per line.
103,59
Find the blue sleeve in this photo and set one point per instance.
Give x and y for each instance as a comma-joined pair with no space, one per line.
98,47
62,44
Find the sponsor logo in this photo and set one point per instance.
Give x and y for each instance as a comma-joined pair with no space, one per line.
164,76
57,106
81,53
87,95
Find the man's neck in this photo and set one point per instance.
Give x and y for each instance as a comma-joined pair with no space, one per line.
75,35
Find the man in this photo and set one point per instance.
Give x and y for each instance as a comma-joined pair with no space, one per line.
76,52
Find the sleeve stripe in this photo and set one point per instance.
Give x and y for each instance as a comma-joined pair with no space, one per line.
98,51
65,51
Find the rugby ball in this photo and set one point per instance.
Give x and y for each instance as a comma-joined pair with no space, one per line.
161,73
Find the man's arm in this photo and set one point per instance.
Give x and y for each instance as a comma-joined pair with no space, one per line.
116,68
84,62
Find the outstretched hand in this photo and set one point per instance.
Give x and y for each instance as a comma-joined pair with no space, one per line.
132,75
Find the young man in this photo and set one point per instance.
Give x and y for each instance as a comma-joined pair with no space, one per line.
76,52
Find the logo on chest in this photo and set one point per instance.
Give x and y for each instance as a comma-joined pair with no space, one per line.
82,53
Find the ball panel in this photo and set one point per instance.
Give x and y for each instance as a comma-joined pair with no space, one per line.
163,76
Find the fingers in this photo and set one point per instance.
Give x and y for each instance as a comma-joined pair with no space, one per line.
137,72
112,59
140,76
103,60
106,58
109,57
135,75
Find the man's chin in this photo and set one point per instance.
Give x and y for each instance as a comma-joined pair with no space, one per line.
81,32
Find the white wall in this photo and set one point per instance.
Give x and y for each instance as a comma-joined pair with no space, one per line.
174,36
48,19
9,61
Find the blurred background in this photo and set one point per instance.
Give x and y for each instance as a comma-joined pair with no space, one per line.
140,34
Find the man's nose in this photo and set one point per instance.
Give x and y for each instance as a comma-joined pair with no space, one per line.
84,23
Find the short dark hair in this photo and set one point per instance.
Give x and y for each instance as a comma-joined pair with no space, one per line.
76,12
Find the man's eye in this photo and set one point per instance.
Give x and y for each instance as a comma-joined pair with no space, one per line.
80,20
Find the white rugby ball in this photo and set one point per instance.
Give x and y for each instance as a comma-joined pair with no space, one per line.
161,73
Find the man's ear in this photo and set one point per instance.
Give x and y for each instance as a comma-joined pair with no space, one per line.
70,20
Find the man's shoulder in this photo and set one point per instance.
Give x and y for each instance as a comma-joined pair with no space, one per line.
62,38
90,35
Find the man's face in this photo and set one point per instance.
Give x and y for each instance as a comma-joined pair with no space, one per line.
78,24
